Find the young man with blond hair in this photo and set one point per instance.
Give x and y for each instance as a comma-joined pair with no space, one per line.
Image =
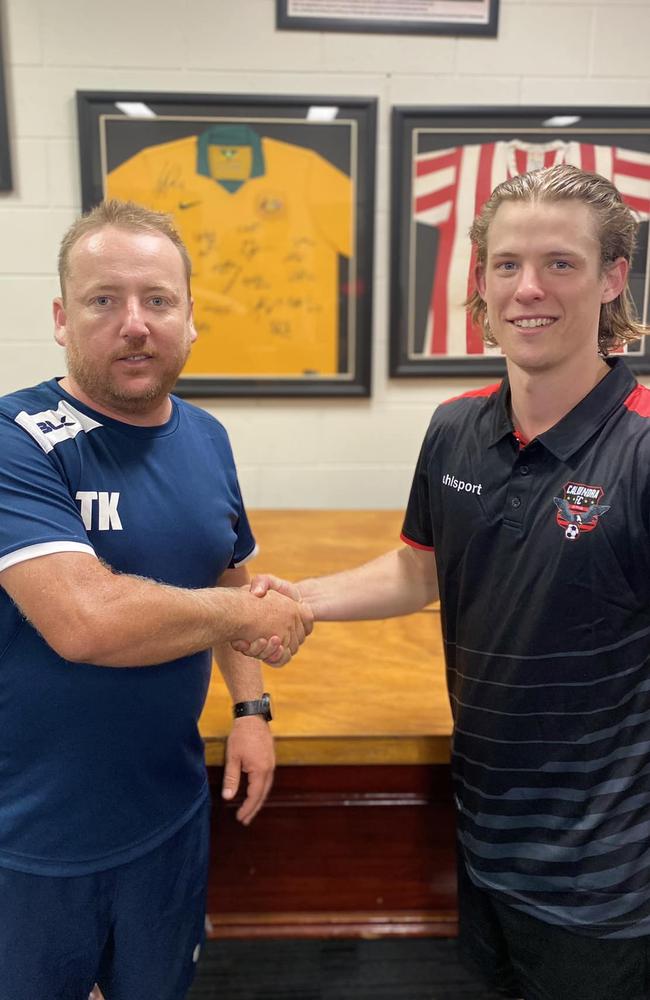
542,567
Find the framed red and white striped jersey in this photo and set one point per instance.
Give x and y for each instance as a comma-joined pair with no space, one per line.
446,164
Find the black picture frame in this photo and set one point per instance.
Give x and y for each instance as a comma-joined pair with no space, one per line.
460,17
445,162
282,258
6,181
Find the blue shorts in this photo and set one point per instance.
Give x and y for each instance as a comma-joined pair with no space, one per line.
136,929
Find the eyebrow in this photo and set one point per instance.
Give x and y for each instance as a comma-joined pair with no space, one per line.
547,253
98,287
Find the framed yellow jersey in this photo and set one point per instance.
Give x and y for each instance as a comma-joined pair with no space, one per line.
274,200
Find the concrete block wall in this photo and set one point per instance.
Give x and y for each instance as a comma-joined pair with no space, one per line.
305,453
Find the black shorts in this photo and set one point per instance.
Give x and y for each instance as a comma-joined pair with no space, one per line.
519,956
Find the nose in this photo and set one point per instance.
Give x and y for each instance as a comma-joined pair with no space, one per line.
133,324
529,286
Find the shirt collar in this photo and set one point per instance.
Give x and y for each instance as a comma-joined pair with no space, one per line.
229,135
580,423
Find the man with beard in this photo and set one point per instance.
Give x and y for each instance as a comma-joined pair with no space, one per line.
122,542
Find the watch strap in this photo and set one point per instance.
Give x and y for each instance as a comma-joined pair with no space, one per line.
260,706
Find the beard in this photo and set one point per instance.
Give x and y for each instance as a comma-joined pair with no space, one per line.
100,385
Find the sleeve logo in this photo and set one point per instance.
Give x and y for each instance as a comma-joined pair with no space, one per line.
52,427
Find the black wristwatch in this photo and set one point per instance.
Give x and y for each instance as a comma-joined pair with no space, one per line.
260,707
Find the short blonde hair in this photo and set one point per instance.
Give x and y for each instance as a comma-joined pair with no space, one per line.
122,215
616,227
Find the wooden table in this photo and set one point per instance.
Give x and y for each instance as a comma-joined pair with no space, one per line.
357,836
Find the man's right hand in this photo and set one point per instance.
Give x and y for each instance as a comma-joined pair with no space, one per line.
275,622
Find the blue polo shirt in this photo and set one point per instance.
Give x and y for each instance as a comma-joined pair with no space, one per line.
99,765
543,557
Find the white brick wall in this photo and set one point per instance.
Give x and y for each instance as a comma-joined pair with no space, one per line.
305,453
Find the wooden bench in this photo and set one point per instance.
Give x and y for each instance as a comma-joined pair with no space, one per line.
357,837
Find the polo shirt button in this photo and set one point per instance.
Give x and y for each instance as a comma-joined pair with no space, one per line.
516,502
524,470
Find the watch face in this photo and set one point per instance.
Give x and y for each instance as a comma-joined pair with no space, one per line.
266,705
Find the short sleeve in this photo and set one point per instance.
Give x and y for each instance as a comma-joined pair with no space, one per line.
141,179
38,515
245,546
330,195
417,529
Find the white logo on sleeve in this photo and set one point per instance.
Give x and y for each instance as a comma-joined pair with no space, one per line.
99,510
51,427
460,485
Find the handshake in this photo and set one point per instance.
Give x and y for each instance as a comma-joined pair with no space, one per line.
276,620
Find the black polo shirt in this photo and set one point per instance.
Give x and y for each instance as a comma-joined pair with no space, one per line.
543,557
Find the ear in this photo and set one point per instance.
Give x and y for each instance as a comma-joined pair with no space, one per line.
615,279
479,278
58,312
193,333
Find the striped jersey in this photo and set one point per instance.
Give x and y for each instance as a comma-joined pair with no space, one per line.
450,186
543,557
266,224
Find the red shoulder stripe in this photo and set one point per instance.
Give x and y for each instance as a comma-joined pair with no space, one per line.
416,545
486,390
639,401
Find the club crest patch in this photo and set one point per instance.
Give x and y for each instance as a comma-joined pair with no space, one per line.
271,206
579,509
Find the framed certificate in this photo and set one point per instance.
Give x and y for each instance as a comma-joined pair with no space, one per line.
428,17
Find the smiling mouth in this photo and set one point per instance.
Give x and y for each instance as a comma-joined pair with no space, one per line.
533,323
136,357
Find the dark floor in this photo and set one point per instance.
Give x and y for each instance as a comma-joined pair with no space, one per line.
390,969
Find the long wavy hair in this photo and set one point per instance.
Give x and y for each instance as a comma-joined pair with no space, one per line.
616,227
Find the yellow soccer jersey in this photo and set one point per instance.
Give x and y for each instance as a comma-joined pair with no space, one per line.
264,222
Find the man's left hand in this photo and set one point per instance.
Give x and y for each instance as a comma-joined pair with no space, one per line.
249,750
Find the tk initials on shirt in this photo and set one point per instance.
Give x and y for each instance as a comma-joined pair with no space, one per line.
99,507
